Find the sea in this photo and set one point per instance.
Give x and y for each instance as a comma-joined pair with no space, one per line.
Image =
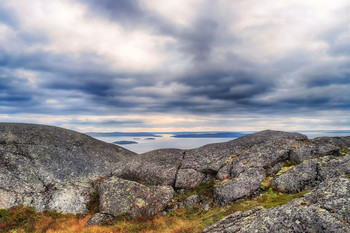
142,144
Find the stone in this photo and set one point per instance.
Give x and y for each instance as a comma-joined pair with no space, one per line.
158,167
119,196
98,219
303,176
188,179
245,185
191,201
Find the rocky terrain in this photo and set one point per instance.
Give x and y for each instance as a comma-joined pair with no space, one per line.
52,168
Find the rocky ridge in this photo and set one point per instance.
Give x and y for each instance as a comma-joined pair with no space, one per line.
35,170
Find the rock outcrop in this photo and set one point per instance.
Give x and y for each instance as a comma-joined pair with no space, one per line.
51,168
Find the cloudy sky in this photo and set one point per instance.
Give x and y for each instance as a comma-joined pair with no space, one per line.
180,65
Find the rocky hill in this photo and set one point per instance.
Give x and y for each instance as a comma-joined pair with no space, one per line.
53,168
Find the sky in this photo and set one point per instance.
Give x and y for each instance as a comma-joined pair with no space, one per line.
179,65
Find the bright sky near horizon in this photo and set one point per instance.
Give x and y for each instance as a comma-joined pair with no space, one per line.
179,65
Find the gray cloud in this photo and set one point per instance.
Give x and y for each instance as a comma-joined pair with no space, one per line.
217,78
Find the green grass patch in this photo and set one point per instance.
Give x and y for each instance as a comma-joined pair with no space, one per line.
266,183
204,190
345,151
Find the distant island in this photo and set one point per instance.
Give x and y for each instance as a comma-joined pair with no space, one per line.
125,142
150,139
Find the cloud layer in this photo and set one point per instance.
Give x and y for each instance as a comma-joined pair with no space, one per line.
195,64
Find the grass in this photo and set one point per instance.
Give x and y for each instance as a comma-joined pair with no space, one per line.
26,219
345,151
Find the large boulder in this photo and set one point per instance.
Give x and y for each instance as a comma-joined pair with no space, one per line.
119,196
301,177
189,179
326,209
50,167
245,185
158,167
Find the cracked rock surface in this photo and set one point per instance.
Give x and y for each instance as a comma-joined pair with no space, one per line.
325,209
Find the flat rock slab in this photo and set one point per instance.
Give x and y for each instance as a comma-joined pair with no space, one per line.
119,196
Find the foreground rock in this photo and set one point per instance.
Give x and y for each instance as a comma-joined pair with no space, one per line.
326,209
118,196
51,168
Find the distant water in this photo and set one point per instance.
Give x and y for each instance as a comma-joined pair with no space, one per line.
167,140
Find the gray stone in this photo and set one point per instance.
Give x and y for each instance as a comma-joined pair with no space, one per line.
206,206
302,177
326,209
245,185
191,201
157,167
50,167
188,179
98,219
210,158
313,149
118,196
